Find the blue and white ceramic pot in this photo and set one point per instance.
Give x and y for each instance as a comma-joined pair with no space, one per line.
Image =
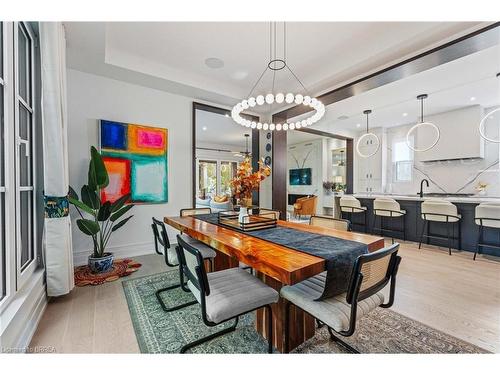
102,264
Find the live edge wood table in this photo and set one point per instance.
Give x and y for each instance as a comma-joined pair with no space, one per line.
274,264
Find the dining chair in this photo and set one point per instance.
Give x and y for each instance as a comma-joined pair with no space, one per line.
330,223
161,238
388,209
370,274
267,212
487,215
440,211
350,205
223,295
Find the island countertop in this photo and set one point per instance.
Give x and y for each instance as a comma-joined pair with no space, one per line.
458,199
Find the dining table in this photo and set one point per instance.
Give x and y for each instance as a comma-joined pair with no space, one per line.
274,264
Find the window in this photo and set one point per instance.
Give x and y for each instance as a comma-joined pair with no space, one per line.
207,177
227,173
18,245
402,158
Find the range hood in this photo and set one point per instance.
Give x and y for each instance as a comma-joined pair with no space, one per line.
460,138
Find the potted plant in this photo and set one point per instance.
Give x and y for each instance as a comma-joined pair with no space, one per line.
98,218
328,186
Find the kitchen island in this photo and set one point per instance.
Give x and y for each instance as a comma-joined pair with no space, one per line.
414,224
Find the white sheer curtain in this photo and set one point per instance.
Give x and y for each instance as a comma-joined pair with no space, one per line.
58,251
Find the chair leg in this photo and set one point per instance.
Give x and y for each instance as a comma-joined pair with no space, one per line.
209,337
269,328
428,227
174,308
479,241
422,234
449,238
342,343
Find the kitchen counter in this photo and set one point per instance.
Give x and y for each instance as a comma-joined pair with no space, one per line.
458,199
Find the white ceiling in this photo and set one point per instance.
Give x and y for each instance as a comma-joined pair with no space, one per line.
170,55
216,129
449,86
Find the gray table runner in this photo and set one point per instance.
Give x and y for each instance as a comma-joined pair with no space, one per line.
339,254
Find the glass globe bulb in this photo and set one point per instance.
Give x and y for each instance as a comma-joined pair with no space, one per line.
279,98
265,126
278,126
272,126
260,100
285,126
297,125
307,100
289,98
314,102
298,99
254,125
291,126
308,121
259,125
269,98
252,102
244,104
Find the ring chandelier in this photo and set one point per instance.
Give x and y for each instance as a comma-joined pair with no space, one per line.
305,99
422,123
483,120
278,98
366,135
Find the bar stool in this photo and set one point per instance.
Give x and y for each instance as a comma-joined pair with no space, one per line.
487,215
441,211
351,205
388,208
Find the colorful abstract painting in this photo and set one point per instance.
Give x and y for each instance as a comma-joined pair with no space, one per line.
136,159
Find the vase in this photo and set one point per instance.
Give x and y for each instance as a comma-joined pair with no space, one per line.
243,215
101,264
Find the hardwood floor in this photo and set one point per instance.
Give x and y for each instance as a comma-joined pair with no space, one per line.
451,293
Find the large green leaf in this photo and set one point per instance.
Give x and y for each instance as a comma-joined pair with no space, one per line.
72,193
90,198
121,223
120,202
121,212
92,183
99,169
88,227
104,211
81,205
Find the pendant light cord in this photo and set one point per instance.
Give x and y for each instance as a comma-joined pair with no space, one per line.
367,131
422,110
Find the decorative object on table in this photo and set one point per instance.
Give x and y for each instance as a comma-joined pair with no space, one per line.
247,182
481,188
136,158
339,185
275,65
382,331
121,268
328,186
421,124
366,136
249,223
267,161
99,218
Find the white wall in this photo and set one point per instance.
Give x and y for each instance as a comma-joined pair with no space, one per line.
91,98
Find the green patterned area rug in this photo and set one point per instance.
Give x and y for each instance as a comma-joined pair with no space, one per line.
382,331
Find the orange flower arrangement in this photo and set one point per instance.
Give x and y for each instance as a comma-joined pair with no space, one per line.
246,182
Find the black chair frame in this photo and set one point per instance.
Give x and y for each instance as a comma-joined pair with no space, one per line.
200,282
383,229
349,228
351,212
448,238
162,239
481,235
355,295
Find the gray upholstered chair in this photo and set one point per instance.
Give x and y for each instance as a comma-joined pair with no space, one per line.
370,274
223,295
161,239
330,223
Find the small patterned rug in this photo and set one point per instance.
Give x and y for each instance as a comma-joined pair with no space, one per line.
121,268
382,331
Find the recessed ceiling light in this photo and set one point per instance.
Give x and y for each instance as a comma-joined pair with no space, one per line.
472,98
214,63
358,125
343,117
405,114
204,128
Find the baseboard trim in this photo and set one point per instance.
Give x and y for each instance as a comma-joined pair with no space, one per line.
122,251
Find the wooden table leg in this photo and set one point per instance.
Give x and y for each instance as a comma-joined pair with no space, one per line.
302,325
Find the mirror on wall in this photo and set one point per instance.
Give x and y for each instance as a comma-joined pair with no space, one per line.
219,147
